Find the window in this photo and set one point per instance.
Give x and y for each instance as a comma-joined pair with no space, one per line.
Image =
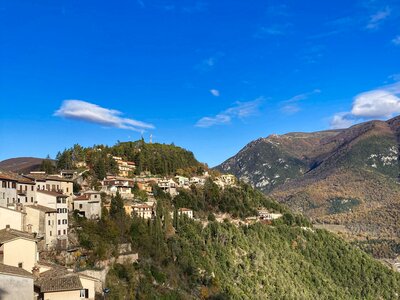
14,185
59,222
26,188
65,232
67,190
3,184
84,293
32,199
32,188
80,206
95,196
58,200
49,222
50,233
59,232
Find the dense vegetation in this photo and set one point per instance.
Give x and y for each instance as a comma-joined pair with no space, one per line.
158,159
239,201
186,259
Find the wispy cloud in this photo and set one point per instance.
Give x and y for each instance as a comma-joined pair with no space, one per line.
272,30
291,105
377,18
214,92
396,40
89,112
241,110
208,63
381,103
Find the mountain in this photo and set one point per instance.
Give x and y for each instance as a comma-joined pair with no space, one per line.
21,164
344,177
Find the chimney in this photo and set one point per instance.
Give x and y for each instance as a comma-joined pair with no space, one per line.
8,227
36,271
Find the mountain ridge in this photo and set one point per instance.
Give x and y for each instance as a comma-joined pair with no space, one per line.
347,177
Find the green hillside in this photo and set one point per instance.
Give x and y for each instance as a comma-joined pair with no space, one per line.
159,159
188,259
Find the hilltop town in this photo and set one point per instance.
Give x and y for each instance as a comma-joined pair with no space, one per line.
41,217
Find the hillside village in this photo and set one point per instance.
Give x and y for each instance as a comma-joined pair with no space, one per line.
38,237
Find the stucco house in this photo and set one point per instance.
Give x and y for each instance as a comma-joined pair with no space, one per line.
15,219
26,191
144,210
88,205
185,212
61,284
15,283
8,190
42,221
58,202
18,249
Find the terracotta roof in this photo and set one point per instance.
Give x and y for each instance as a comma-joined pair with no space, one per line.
141,206
56,178
6,177
42,208
58,280
44,177
52,193
11,234
16,177
82,197
184,209
10,270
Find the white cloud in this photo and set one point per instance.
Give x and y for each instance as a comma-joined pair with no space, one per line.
214,92
240,111
381,103
396,40
377,18
341,120
376,104
85,111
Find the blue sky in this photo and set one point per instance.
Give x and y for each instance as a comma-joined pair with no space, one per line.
209,76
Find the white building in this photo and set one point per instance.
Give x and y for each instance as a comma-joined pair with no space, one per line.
113,185
42,221
58,202
266,215
197,180
168,186
185,212
26,192
182,181
53,183
89,205
8,190
144,211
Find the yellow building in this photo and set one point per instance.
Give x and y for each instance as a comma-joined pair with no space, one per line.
18,249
